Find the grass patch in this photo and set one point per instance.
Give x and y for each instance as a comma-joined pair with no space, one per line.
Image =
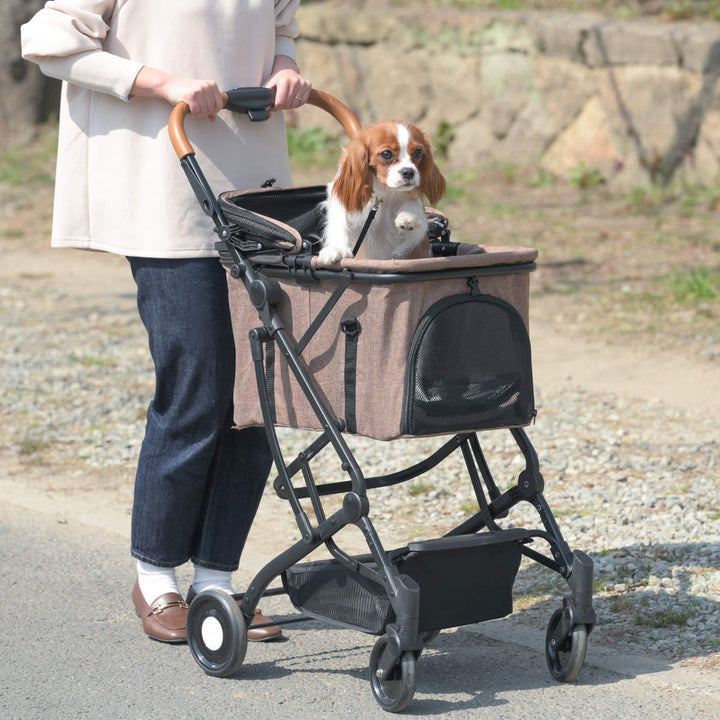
313,146
420,488
90,361
584,177
663,618
696,285
33,446
672,10
31,165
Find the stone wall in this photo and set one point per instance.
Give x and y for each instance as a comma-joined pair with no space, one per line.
635,100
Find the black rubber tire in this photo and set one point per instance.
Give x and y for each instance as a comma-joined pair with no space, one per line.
395,692
217,633
566,659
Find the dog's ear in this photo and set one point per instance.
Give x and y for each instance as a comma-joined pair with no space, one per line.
432,181
353,184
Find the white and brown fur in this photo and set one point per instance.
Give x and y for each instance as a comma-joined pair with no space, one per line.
391,164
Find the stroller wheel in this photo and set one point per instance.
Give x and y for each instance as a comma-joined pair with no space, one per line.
217,634
565,659
394,692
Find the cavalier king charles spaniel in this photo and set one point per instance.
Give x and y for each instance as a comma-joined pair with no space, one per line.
388,166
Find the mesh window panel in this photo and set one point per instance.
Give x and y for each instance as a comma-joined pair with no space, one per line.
469,368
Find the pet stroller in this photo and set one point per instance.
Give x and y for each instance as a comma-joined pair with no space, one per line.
436,346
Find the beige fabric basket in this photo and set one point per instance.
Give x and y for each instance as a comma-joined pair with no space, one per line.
388,312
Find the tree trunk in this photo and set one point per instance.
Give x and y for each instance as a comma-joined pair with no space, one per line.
27,97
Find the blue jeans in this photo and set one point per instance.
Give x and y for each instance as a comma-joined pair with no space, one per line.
199,481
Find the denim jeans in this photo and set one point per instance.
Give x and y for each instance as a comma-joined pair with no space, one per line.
199,481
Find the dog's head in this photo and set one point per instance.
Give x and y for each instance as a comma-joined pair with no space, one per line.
396,155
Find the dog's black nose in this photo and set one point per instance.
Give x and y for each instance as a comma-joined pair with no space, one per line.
407,173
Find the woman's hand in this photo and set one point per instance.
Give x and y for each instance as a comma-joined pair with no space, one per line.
202,96
291,88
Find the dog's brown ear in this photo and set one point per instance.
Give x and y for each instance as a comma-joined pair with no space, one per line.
432,181
353,185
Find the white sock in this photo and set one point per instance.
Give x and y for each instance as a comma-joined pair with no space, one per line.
207,579
155,581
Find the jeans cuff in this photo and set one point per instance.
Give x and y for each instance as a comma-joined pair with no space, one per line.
214,566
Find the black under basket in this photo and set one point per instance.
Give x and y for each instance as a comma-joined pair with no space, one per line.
462,580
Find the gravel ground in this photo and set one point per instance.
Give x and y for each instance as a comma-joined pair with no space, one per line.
632,483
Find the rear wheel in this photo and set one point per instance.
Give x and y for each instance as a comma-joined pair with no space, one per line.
217,633
565,658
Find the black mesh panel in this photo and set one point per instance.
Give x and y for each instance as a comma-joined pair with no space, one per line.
469,368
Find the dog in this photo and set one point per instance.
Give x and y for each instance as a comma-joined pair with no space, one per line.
388,165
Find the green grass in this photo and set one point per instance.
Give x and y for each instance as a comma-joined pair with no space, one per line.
695,286
674,10
663,618
419,488
32,164
313,146
583,177
33,446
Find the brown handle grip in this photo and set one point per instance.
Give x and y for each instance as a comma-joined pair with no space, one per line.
340,112
331,105
176,130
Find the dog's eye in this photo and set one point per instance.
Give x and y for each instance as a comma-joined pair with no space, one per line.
417,153
386,155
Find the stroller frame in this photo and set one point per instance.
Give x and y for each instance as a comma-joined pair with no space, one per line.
392,662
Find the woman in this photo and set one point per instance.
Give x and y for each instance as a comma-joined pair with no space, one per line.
120,189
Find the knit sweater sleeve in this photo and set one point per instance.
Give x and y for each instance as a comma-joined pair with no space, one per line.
66,38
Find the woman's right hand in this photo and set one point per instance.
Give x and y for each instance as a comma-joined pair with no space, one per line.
203,97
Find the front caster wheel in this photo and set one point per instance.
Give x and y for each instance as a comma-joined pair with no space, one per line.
394,692
217,634
565,658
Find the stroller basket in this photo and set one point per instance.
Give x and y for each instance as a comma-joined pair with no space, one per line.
462,580
397,348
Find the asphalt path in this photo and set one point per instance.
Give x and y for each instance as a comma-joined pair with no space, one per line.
72,648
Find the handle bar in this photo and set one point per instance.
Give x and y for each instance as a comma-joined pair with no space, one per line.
257,103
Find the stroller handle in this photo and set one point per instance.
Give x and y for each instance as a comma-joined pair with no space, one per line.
257,102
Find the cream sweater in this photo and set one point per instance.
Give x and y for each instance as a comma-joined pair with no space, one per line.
119,185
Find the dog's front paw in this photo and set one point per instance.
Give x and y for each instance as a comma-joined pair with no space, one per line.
407,221
331,255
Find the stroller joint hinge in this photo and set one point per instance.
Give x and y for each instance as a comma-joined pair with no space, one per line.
530,484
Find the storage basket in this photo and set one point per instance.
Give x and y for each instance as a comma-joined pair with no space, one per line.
461,580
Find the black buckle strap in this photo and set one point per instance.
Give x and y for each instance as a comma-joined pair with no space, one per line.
371,216
351,328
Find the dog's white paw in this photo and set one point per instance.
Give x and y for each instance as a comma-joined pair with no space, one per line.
331,255
407,221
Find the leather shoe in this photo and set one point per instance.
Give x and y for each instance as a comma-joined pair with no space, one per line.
165,619
254,634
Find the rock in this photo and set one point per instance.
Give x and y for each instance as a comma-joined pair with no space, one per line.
588,141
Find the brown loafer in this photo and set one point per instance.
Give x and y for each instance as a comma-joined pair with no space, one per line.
166,619
270,631
262,634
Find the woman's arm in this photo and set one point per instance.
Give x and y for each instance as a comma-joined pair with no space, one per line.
202,96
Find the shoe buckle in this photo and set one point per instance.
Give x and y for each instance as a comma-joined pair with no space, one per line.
157,609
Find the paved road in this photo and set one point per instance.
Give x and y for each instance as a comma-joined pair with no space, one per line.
72,648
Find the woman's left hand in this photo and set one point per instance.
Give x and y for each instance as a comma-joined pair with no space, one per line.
291,88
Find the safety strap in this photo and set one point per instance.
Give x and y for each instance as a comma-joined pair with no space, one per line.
368,222
352,329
